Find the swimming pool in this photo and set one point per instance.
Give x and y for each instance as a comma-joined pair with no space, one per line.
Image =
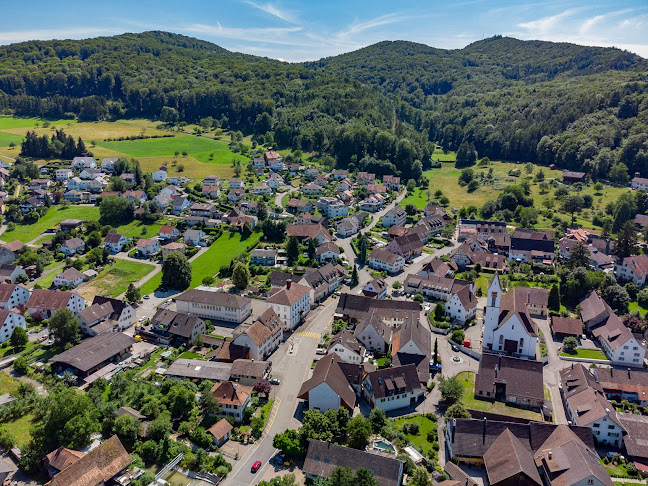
383,445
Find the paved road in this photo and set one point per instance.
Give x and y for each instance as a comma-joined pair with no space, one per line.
292,367
280,196
552,370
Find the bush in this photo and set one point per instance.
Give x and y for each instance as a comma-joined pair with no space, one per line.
411,428
458,336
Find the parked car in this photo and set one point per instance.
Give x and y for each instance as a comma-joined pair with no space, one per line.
275,381
320,351
455,347
256,466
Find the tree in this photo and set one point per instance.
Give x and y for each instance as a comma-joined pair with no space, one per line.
246,231
240,275
528,168
292,250
418,298
133,294
619,173
287,480
312,248
451,389
364,477
397,285
458,336
410,209
626,244
573,204
176,271
93,240
115,210
210,405
378,420
457,410
439,311
63,327
22,278
554,298
436,351
419,478
355,279
262,387
617,297
126,427
341,476
18,338
208,281
579,256
363,249
289,442
160,428
570,343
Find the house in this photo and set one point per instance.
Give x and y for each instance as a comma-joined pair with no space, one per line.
249,371
296,206
462,305
135,196
184,328
393,388
347,347
374,334
10,272
271,157
84,163
563,327
263,337
372,203
383,259
10,320
162,201
536,299
394,217
74,196
437,267
366,177
532,246
194,237
213,305
323,457
97,467
30,204
586,405
305,232
265,258
236,184
261,189
211,191
512,380
474,251
274,181
639,183
392,182
433,225
376,288
508,327
340,174
332,207
347,227
59,459
618,343
127,177
114,242
409,246
376,189
356,308
63,175
88,174
118,311
312,189
258,163
96,319
204,210
311,172
48,301
108,164
433,287
291,303
634,440
629,384
159,175
35,184
12,295
633,269
180,203
470,227
199,370
173,247
168,233
221,431
94,353
570,177
411,345
597,258
328,388
7,255
507,461
323,281
70,277
236,195
147,247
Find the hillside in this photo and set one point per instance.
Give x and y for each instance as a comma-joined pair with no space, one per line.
385,104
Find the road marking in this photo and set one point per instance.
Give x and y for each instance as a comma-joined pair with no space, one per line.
271,419
310,334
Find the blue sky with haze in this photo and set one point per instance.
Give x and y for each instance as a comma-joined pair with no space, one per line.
306,30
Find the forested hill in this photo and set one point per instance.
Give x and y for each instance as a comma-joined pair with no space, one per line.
388,103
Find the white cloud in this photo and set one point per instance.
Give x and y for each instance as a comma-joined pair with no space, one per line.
546,25
47,34
272,35
274,11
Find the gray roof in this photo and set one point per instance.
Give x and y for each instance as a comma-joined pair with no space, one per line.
199,369
223,299
94,351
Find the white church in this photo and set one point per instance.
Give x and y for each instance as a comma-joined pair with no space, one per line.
508,328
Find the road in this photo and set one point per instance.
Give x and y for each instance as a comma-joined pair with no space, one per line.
292,367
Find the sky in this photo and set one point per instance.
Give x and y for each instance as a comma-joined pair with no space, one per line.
294,30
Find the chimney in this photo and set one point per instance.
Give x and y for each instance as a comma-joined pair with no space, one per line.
235,386
288,284
550,455
629,377
484,431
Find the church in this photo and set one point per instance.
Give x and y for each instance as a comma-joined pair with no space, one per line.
508,327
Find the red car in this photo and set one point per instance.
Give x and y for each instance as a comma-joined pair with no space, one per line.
256,466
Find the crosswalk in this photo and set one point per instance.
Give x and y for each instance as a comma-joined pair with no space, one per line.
314,335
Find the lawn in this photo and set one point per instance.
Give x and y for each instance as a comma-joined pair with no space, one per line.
7,138
584,353
418,199
467,379
221,252
419,441
199,148
7,384
634,306
191,355
114,279
27,232
11,122
20,429
138,229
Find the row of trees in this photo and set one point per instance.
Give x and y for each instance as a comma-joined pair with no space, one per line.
59,145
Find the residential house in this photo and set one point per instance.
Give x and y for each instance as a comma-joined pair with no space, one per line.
168,233
469,228
122,312
508,327
162,201
10,320
114,242
536,299
249,371
586,405
173,247
184,328
221,431
72,246
30,204
434,225
258,163
383,259
433,287
512,380
437,267
159,175
347,347
347,227
393,388
633,269
340,174
88,174
394,217
356,308
323,281
236,183
376,288
10,272
305,232
12,295
194,237
211,191
327,252
137,197
261,189
147,247
274,181
236,195
271,157
571,177
180,203
374,334
265,258
328,388
39,184
321,180
411,344
108,164
127,177
84,163
392,182
409,246
372,203
74,196
63,175
59,459
296,206
366,178
311,172
345,185
507,461
619,385
70,277
292,304
462,305
532,246
263,337
376,189
211,180
323,458
563,327
640,183
312,189
214,305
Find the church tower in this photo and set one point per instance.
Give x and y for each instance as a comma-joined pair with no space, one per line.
491,318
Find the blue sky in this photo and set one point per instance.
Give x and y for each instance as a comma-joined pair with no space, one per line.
306,30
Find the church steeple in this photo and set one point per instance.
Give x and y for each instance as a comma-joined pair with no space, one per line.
493,303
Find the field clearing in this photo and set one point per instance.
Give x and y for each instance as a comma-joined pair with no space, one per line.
137,229
114,279
419,441
221,252
20,429
97,131
27,232
8,384
7,138
12,122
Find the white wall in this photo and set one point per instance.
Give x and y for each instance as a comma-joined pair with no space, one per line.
324,398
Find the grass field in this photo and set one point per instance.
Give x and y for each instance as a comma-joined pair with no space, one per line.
7,138
113,280
12,122
53,217
584,353
7,384
137,229
467,379
634,306
20,429
419,441
418,199
221,252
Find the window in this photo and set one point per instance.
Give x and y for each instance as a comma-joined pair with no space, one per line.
521,342
590,481
610,426
597,425
501,339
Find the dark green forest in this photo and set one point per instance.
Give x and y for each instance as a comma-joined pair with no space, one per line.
383,107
